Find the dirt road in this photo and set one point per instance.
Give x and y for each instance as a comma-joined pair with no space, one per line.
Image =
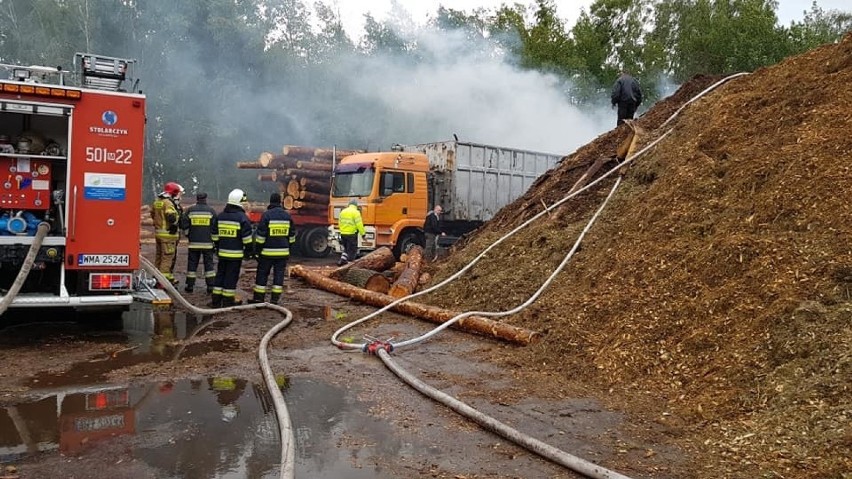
161,393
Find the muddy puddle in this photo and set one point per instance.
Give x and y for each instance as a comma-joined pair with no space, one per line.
212,427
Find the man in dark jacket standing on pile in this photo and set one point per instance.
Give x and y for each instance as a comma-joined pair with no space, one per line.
235,240
627,96
432,229
275,233
201,229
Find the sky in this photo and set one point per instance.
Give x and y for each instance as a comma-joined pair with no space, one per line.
352,11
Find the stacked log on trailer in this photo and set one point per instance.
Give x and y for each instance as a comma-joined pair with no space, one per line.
303,175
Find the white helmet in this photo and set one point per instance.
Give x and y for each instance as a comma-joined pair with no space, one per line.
236,196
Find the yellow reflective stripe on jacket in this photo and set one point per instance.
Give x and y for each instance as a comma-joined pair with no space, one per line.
200,218
276,252
231,253
229,229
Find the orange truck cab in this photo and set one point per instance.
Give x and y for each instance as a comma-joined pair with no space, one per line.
397,189
391,189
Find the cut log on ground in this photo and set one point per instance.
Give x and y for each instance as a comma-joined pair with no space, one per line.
407,281
474,324
377,260
367,279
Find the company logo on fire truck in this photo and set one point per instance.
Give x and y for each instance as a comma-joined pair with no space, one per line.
109,118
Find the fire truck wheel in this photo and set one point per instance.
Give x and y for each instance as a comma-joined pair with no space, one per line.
314,243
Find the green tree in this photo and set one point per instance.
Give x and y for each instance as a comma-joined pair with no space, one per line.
817,28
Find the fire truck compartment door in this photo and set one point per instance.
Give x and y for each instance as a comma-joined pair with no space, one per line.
105,182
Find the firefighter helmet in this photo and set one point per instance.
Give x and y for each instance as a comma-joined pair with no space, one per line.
236,196
173,189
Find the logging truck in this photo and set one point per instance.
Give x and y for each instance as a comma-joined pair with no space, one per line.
303,176
396,189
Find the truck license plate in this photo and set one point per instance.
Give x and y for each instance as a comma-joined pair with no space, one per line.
103,260
88,424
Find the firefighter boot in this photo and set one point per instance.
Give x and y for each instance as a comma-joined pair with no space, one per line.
258,297
209,289
190,284
217,301
274,297
228,301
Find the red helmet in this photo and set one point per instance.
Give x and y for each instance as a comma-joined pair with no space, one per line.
173,189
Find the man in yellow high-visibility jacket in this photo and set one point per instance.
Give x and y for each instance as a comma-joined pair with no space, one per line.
166,212
350,225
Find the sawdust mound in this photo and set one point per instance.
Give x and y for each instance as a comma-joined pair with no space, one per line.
713,295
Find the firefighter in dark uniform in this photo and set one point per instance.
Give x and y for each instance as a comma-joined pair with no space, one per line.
199,226
165,213
273,237
235,240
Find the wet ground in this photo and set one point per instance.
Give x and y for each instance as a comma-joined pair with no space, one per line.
158,392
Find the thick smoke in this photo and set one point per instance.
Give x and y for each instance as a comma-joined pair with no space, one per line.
474,93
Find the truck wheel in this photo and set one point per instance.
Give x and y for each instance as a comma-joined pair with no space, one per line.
314,243
406,241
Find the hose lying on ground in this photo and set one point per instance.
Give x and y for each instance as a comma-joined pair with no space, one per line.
285,427
544,450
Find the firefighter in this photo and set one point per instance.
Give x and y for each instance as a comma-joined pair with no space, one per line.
166,213
350,225
235,242
198,224
273,237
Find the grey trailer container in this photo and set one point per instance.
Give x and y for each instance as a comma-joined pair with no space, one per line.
472,182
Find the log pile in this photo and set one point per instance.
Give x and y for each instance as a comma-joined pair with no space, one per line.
474,324
302,174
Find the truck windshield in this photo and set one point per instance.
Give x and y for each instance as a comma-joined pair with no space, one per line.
349,181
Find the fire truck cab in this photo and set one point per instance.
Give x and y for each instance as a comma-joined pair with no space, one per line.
71,152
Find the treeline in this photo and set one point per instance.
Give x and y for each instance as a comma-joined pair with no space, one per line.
227,79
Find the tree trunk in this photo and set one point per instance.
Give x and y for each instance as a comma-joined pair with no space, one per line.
249,165
265,159
312,211
267,177
316,185
287,202
328,153
377,260
320,175
313,197
314,166
294,189
366,279
300,152
407,281
475,324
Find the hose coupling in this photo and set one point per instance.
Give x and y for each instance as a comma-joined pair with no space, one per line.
374,346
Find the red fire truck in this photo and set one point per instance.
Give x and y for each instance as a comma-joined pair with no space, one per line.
71,151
